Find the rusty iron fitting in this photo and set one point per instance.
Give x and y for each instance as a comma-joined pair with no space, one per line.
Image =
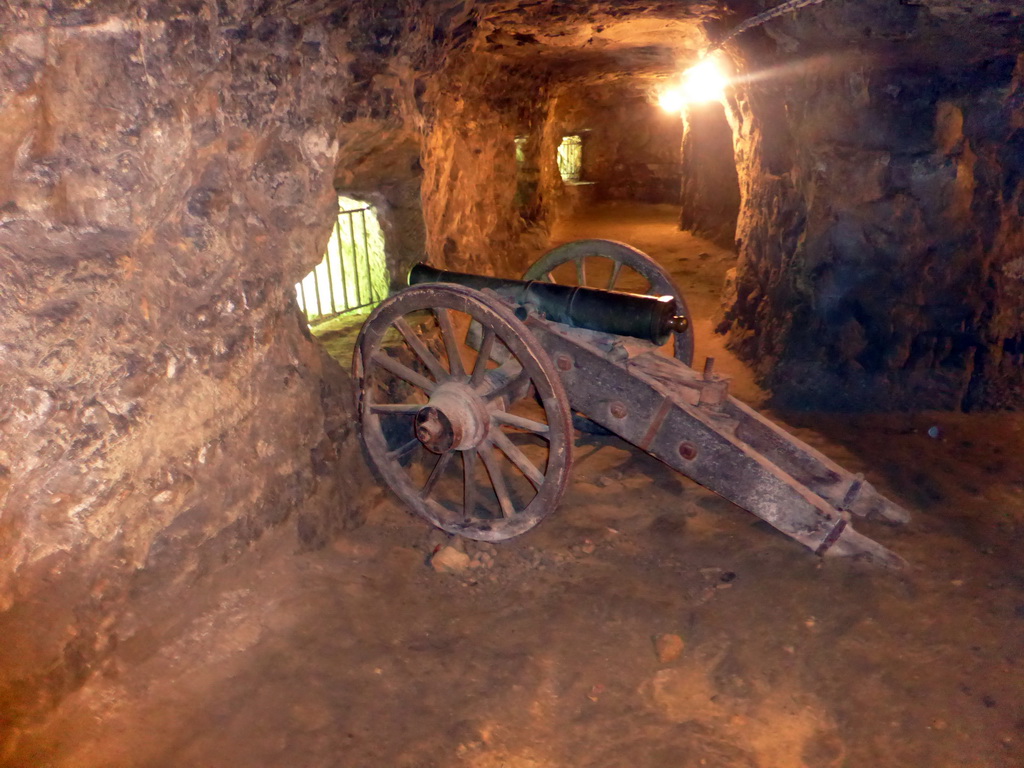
709,368
688,450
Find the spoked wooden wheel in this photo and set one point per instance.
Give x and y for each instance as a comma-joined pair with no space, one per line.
614,266
469,426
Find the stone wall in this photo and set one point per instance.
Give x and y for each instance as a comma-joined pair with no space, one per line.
479,218
165,177
710,196
881,237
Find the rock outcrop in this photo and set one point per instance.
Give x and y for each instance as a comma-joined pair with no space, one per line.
880,229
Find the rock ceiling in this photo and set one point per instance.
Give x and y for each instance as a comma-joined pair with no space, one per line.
631,38
581,40
574,40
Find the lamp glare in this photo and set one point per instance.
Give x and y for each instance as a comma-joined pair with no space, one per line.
703,82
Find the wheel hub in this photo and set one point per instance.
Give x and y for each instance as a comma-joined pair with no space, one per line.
455,418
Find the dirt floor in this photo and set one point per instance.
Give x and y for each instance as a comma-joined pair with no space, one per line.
556,649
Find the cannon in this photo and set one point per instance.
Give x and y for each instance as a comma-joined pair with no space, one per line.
468,386
653,318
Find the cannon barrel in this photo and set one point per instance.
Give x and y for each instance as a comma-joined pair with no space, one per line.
652,318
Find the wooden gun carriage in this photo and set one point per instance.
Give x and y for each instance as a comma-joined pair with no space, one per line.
467,387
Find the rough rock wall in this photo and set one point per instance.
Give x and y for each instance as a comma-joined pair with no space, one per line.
631,147
710,197
881,236
554,197
382,166
391,54
473,214
165,177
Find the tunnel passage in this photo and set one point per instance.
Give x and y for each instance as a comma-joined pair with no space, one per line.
168,174
630,145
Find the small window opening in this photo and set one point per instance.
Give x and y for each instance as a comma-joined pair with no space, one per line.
521,150
526,182
570,158
353,274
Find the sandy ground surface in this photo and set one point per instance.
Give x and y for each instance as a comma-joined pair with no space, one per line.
543,654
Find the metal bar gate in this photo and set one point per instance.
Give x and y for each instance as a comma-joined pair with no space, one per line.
342,282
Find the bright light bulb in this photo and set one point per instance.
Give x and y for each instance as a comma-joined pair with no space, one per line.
702,82
672,99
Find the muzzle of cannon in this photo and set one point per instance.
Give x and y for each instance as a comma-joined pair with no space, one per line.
651,318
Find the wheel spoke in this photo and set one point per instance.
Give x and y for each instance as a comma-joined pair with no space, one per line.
402,371
407,408
435,474
451,344
509,386
497,480
504,417
414,341
482,358
469,483
517,457
616,268
403,449
581,271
